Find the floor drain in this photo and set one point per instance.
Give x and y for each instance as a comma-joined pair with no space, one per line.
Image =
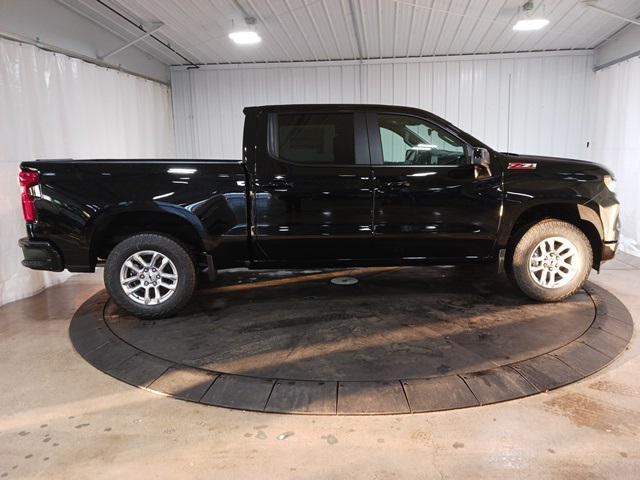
344,281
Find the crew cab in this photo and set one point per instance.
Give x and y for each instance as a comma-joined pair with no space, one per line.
321,186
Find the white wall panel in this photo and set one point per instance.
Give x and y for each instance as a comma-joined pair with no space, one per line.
525,103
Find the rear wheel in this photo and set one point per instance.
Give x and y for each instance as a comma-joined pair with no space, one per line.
551,261
150,275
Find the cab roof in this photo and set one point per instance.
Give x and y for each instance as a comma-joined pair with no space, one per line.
337,107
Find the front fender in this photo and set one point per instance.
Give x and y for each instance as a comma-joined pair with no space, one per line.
515,216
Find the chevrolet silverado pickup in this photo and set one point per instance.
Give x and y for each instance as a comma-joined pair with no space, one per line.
321,186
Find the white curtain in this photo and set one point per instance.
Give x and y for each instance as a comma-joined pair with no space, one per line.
53,106
616,140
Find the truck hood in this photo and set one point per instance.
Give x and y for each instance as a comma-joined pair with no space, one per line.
569,163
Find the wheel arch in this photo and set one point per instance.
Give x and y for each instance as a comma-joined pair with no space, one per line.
117,223
582,216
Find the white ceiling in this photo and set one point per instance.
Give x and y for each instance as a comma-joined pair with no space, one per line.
308,30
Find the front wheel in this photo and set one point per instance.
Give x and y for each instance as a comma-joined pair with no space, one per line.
551,261
150,275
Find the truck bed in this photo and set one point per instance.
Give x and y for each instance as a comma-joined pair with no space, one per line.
132,160
79,199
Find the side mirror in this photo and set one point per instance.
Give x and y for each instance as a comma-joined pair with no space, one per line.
481,156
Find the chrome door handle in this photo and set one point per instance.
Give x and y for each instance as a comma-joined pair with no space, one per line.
401,184
277,183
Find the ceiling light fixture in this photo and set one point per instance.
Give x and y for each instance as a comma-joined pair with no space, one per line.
247,36
528,22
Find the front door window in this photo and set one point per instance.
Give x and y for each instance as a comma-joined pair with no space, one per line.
410,141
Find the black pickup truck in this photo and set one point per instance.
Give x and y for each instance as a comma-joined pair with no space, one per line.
321,186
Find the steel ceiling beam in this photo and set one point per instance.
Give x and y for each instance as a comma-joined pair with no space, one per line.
610,13
139,27
356,30
148,33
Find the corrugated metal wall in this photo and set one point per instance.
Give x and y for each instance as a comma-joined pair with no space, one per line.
526,103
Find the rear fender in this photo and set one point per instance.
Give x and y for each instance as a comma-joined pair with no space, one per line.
101,223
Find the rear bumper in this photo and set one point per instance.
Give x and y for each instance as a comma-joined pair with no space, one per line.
40,255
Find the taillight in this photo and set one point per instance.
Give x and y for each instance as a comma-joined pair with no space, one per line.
27,180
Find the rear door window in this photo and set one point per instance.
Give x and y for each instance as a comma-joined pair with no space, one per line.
316,138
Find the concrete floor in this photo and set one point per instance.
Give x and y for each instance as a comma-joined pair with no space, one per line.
61,418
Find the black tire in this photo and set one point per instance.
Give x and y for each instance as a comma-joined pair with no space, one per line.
181,261
520,256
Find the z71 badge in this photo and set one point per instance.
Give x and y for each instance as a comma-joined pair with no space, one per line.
522,166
